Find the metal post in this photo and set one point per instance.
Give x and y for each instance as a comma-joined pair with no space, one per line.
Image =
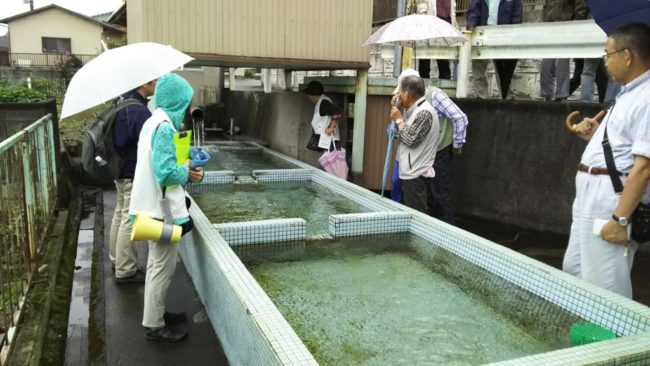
288,80
465,62
266,80
359,131
397,65
231,77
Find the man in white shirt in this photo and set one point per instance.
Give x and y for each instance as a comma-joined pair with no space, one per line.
604,256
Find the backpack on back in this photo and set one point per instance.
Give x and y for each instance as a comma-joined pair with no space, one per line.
99,158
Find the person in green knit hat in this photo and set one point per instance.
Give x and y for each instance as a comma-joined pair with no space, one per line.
158,193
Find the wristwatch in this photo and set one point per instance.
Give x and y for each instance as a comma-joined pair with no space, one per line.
621,221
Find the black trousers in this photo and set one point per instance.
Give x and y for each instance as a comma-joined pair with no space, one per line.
417,193
444,71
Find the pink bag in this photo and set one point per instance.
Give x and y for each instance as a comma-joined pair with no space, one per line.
334,162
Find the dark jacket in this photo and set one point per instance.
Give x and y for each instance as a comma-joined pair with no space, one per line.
563,10
510,12
126,131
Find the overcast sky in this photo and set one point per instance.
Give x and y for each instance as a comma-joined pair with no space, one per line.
86,7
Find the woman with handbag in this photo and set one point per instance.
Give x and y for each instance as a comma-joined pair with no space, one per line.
325,121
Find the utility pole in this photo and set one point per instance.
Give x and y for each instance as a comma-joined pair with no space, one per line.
31,4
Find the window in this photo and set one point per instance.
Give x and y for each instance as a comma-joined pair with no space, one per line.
56,44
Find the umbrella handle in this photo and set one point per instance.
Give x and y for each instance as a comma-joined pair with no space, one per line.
569,121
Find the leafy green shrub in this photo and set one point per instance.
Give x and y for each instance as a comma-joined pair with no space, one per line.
116,42
19,94
47,87
75,62
250,73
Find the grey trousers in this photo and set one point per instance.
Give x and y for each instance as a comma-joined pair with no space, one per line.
554,78
160,269
122,251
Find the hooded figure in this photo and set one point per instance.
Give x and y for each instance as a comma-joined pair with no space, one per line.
157,167
158,193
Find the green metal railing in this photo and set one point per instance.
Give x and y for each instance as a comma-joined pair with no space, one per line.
28,194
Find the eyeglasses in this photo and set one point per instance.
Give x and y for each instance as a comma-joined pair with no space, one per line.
607,54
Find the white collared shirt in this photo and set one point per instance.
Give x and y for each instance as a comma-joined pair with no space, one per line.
628,127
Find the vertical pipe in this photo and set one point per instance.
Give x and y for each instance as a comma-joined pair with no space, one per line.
397,65
219,84
5,235
231,76
42,165
266,80
53,166
465,62
288,80
359,132
28,190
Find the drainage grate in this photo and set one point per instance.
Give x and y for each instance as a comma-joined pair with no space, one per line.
320,237
245,179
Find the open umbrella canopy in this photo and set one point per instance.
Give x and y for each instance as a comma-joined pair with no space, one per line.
610,14
117,71
417,30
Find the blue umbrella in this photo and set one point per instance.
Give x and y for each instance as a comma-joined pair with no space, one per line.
611,14
392,132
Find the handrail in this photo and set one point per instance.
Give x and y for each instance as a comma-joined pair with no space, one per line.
570,39
28,195
26,60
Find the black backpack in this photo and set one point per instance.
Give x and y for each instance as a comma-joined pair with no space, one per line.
99,158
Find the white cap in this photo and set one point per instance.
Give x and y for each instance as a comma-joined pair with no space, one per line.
405,73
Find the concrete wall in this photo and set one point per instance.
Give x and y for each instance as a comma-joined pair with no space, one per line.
207,83
517,167
283,119
519,163
16,116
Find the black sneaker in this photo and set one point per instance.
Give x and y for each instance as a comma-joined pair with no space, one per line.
165,334
137,277
174,318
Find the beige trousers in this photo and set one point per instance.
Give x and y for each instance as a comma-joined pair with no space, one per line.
479,78
122,251
160,269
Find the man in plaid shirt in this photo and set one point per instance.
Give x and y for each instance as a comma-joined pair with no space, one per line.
453,129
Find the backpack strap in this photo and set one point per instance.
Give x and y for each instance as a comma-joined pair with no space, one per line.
123,103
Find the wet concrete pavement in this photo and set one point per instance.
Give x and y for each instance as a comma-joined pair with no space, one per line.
123,303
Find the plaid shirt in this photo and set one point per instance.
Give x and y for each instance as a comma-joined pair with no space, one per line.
446,107
443,9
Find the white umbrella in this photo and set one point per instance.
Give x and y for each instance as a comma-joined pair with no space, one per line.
117,71
417,29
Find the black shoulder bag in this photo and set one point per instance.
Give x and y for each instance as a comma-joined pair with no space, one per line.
640,219
313,141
